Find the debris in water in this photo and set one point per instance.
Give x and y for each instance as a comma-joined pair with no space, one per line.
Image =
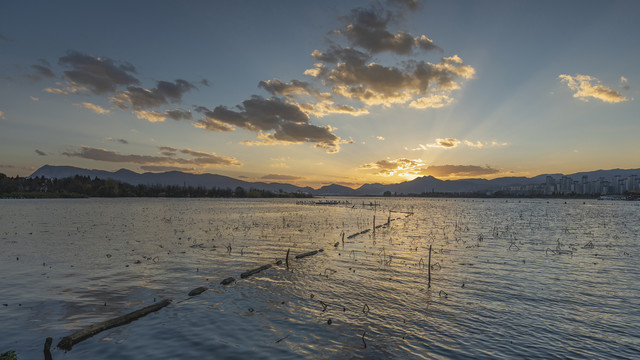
197,291
227,281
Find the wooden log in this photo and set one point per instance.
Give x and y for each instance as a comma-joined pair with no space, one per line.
246,274
310,253
300,256
197,291
227,281
67,342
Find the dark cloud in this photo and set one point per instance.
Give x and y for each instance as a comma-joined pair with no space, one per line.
165,92
41,71
197,158
178,114
458,170
279,177
100,75
287,121
3,38
277,87
41,153
204,82
337,54
367,28
123,141
411,5
258,113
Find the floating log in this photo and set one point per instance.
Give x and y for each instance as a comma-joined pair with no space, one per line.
246,274
300,256
227,281
67,342
197,291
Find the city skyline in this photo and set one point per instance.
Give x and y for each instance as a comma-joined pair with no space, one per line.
317,93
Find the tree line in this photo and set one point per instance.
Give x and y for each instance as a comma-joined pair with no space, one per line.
84,186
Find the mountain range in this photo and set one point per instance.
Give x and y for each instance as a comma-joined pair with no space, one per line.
416,186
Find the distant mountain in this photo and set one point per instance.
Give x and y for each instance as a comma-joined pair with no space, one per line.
415,186
333,190
166,178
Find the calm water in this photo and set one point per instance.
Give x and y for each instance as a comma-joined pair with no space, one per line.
509,279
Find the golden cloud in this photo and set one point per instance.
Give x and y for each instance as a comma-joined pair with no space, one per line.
585,87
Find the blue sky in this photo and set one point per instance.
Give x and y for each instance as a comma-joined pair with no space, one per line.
314,93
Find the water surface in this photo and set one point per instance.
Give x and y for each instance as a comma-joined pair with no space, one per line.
509,278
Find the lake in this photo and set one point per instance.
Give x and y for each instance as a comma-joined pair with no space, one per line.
509,278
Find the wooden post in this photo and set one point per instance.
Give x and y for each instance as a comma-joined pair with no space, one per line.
429,269
374,224
289,249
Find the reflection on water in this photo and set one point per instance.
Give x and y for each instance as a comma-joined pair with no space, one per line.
530,278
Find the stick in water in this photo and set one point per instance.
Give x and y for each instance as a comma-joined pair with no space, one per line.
429,271
67,342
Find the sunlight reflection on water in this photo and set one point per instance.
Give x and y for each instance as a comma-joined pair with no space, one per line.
530,278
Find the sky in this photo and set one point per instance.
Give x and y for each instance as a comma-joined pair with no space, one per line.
314,93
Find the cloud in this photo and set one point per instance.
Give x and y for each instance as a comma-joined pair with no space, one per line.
585,87
151,116
41,153
55,91
457,170
413,168
279,177
33,98
2,117
178,114
196,157
367,28
93,107
381,138
123,141
160,168
42,70
479,144
408,4
164,93
327,107
156,116
286,121
624,83
450,143
3,38
100,75
434,101
422,83
394,167
277,87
